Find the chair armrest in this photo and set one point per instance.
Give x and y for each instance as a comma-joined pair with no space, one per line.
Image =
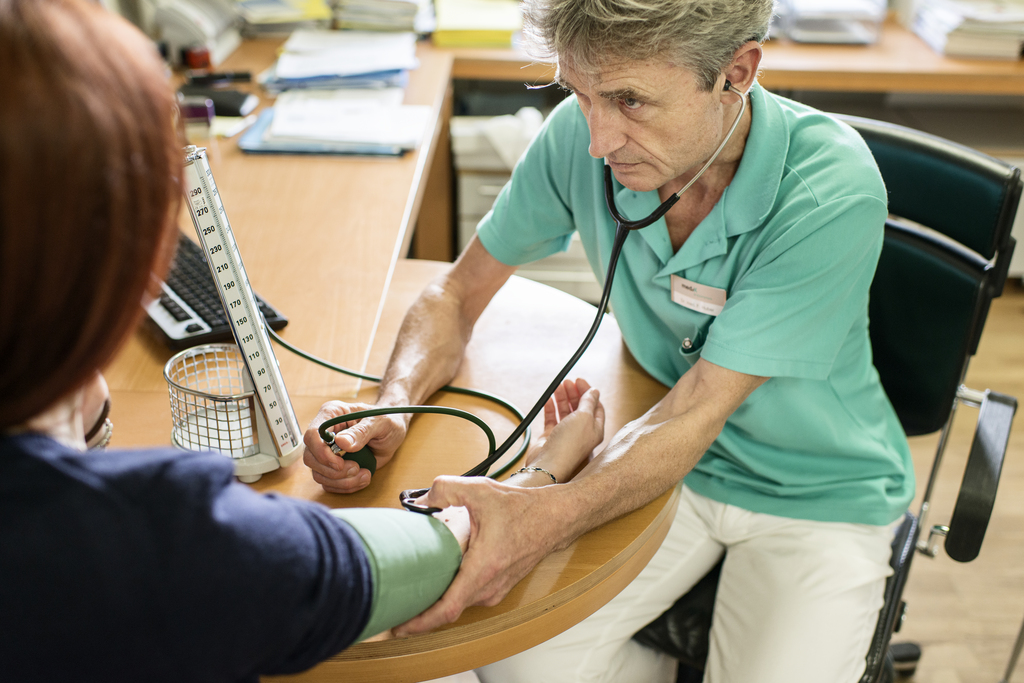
981,477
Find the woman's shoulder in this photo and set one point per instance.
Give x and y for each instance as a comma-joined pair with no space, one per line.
121,476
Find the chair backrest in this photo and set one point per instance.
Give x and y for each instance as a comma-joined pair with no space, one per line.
946,255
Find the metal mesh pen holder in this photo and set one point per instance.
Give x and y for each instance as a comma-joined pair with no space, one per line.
210,406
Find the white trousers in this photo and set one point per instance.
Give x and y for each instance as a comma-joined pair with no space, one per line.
797,602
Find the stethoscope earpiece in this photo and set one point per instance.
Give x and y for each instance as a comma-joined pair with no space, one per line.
729,87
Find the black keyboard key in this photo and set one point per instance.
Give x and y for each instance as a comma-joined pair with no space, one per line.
190,279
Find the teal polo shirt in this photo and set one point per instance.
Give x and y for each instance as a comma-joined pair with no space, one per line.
793,242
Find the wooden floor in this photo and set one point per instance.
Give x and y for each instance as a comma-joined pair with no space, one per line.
966,616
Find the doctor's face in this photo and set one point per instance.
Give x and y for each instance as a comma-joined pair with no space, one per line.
650,120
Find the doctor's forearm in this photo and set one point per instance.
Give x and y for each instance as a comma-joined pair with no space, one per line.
646,458
435,331
428,350
651,454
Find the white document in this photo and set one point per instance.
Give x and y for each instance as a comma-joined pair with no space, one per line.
984,11
860,8
478,15
308,54
375,117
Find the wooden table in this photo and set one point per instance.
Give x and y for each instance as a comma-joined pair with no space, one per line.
520,342
322,239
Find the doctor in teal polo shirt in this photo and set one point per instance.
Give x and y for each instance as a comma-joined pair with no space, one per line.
789,251
749,299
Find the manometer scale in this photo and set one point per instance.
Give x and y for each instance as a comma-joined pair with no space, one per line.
276,421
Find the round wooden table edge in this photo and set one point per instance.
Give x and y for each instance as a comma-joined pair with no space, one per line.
442,653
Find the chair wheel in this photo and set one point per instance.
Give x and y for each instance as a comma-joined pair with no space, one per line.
905,657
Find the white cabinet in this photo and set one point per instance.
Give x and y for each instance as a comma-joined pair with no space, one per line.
481,174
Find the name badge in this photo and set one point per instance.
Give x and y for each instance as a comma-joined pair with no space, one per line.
697,297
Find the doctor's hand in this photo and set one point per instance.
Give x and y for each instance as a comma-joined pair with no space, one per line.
512,528
514,525
383,434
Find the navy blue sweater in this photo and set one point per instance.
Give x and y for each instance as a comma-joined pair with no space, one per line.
157,566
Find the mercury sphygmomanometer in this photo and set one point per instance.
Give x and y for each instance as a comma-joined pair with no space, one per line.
623,227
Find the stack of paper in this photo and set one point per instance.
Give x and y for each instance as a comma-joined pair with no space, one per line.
281,17
832,21
342,59
385,15
972,28
477,23
339,122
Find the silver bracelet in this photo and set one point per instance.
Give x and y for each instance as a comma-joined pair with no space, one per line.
106,431
99,436
537,469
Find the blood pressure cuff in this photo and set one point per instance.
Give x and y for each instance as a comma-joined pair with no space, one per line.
412,560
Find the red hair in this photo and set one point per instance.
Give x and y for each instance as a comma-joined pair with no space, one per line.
90,175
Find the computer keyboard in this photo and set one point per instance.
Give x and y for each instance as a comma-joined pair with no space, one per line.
189,310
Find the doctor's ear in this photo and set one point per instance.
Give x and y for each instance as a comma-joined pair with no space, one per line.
742,70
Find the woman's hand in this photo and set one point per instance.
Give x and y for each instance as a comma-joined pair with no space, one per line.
573,428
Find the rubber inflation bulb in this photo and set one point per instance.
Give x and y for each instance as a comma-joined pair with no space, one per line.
364,458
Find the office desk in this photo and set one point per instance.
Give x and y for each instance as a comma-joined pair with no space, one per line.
322,238
899,62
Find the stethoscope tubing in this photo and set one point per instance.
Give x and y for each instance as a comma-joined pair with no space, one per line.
623,227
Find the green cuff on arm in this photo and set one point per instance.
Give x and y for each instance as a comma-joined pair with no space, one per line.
412,557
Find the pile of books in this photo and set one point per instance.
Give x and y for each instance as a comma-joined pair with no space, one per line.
477,23
992,29
328,60
385,15
281,17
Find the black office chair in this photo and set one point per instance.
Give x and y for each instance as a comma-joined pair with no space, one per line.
945,257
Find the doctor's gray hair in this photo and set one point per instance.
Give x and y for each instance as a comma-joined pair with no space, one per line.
701,35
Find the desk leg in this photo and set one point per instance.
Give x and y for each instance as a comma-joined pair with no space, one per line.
434,237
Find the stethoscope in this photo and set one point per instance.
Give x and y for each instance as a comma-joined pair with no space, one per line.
623,227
